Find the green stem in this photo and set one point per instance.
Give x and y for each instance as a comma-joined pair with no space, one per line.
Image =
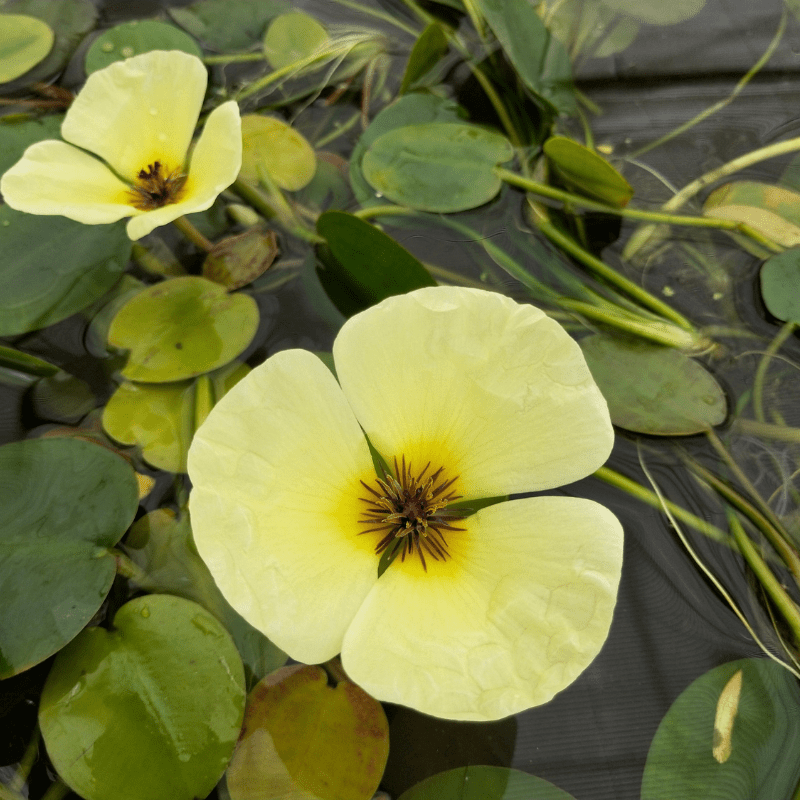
440,273
766,430
151,263
661,333
602,269
649,497
420,12
773,536
234,58
338,131
779,596
544,190
18,361
57,791
192,234
26,764
373,12
641,236
128,568
726,101
758,379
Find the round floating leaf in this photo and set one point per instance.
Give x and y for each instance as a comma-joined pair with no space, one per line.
63,504
150,708
539,58
228,25
657,12
303,739
780,285
17,134
291,37
63,398
653,389
162,418
437,166
51,267
24,42
69,20
269,144
587,172
136,37
181,328
410,109
484,783
730,736
367,265
771,210
162,547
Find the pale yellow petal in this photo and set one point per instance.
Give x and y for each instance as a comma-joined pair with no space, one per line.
275,470
519,611
495,391
214,166
138,111
54,177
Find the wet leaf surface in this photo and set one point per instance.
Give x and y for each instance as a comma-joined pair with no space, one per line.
181,328
729,736
304,740
653,389
63,504
437,166
121,715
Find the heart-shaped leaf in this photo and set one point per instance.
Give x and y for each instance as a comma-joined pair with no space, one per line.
302,739
150,708
437,166
63,504
181,328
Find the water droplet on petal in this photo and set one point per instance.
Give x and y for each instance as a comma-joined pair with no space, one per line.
162,137
153,111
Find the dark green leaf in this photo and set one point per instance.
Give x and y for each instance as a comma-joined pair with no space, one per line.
63,504
780,285
484,783
16,135
367,265
654,389
136,37
427,51
63,398
539,58
51,267
149,709
730,736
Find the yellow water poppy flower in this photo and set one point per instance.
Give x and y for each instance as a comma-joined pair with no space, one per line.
138,116
467,395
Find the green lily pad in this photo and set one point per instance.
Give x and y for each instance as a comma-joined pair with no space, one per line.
653,389
729,736
657,12
411,109
150,708
771,210
367,265
272,146
134,38
161,418
302,739
428,50
24,42
63,504
70,21
228,25
16,135
162,547
587,172
291,37
780,285
181,328
437,166
63,398
539,58
52,267
484,783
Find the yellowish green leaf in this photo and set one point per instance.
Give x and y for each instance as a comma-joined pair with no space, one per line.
24,42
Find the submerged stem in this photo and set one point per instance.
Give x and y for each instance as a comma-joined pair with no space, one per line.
761,371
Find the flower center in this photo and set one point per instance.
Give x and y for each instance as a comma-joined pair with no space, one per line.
408,509
156,186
